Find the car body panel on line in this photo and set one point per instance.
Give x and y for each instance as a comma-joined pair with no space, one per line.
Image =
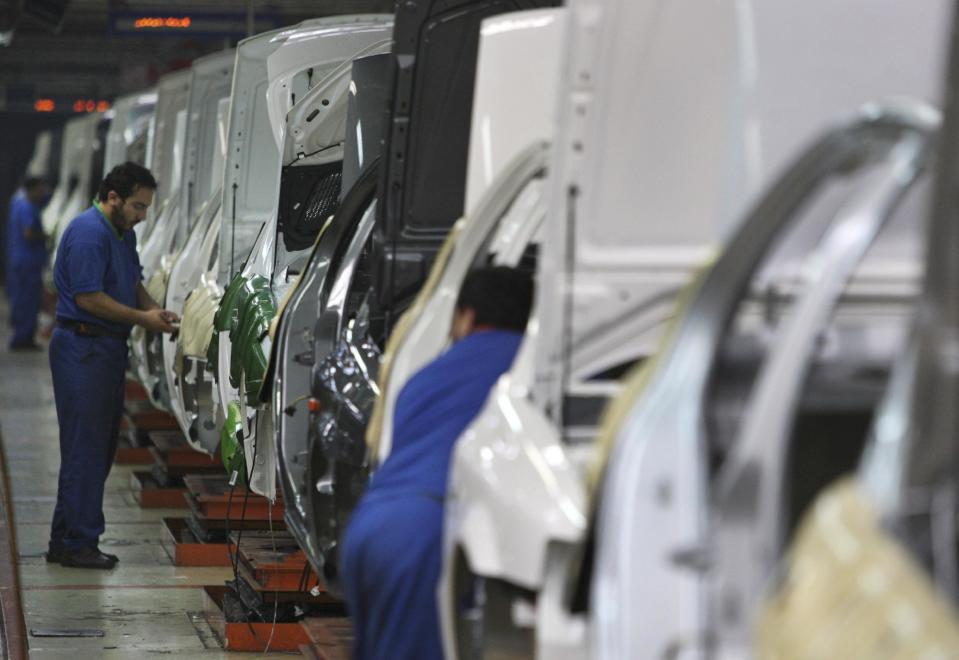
315,130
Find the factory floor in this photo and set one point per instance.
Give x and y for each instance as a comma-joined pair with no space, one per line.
145,606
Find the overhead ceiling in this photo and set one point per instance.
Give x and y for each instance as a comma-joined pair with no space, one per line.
81,58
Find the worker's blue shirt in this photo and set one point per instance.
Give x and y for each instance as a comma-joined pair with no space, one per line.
24,252
435,407
392,550
93,257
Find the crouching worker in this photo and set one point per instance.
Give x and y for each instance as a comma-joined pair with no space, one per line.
392,550
100,297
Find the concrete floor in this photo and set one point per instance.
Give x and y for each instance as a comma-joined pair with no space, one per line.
145,606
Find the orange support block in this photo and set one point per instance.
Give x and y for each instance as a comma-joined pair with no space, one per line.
249,636
186,552
151,496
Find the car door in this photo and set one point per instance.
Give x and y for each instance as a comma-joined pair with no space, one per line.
423,180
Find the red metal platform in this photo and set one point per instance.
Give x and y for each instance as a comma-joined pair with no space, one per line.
186,550
145,417
249,636
150,495
134,391
127,454
211,495
274,562
171,450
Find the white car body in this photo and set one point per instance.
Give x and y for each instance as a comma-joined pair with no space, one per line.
166,147
719,535
76,173
188,267
132,116
289,80
40,160
268,65
513,109
325,47
240,118
209,83
676,116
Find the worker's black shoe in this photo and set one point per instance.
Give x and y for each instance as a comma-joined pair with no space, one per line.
55,553
107,554
87,558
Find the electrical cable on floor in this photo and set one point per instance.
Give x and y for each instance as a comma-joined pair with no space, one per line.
229,544
276,592
269,516
235,557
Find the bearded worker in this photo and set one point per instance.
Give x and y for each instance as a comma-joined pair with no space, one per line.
101,297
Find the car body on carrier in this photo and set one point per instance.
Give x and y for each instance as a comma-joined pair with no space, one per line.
682,150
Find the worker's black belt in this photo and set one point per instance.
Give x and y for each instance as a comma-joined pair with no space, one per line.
89,329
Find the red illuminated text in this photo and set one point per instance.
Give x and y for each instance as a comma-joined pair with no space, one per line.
154,22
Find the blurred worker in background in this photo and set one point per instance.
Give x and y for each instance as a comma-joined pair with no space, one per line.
26,257
100,298
392,548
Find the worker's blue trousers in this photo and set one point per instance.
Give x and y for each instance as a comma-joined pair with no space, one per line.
88,386
24,289
391,559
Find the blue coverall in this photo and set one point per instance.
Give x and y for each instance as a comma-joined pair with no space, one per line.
26,258
392,549
88,372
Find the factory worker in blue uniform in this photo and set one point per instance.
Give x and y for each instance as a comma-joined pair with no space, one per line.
392,549
100,298
26,257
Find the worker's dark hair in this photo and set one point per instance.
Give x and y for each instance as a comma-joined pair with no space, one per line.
500,297
125,179
33,182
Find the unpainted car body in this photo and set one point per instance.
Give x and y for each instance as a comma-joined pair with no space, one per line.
76,173
311,153
605,296
210,79
167,139
366,270
129,133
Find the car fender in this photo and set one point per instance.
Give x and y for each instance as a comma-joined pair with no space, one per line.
513,490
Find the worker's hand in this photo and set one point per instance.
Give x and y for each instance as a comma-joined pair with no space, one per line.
158,320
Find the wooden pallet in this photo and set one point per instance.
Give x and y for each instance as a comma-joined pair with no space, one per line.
211,495
331,638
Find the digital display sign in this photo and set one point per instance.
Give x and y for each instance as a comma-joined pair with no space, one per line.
155,22
90,105
162,22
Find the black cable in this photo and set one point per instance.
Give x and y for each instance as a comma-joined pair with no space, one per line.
248,477
246,497
235,557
